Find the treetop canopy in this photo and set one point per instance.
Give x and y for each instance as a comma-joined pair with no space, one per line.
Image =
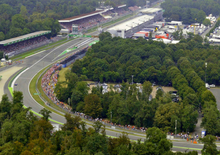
23,37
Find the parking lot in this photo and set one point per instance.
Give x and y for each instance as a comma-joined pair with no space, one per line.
165,89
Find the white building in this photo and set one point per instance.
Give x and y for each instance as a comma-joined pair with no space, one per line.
128,28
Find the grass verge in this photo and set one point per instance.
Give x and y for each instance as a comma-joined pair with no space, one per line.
62,72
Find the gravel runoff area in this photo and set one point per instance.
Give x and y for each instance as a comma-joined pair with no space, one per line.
6,74
1,64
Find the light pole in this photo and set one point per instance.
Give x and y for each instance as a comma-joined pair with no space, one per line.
175,126
205,70
69,101
132,79
111,116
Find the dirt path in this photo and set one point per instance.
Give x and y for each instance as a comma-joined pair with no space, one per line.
6,74
198,128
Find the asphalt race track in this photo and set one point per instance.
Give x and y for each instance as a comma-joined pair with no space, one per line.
39,61
35,64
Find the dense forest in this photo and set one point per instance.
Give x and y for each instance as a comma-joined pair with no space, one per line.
116,60
22,133
190,11
19,18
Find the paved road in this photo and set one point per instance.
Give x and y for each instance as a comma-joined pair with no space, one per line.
216,92
207,31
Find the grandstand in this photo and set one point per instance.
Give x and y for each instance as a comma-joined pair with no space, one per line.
24,43
92,19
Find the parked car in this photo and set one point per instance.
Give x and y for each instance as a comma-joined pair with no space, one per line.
154,84
175,99
207,85
159,88
212,86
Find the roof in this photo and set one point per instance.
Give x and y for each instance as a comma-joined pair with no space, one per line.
151,10
131,23
74,18
24,37
121,6
142,32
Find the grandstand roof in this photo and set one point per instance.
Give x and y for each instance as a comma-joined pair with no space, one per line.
131,23
121,6
151,10
71,19
24,37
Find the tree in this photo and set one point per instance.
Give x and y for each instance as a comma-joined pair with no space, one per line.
46,114
23,11
201,16
18,21
119,145
206,22
147,89
130,2
189,118
96,143
105,35
159,94
158,138
191,99
17,97
210,121
207,96
209,145
39,145
55,28
17,103
76,97
165,114
77,67
92,105
97,126
2,37
5,105
72,123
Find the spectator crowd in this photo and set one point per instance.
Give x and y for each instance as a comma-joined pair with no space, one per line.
89,22
116,11
48,83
